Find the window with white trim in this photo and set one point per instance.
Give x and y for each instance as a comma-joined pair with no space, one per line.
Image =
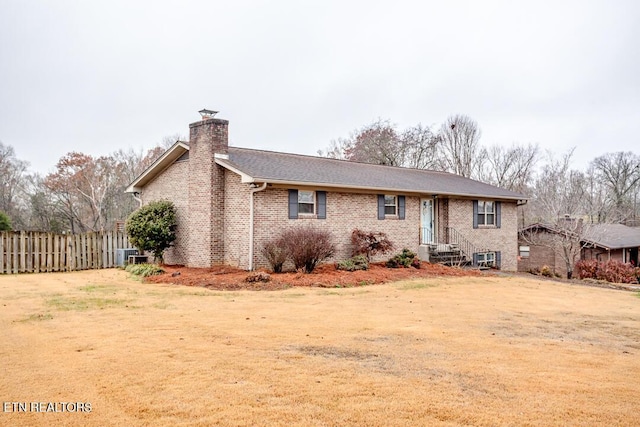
306,202
486,258
524,251
390,205
486,212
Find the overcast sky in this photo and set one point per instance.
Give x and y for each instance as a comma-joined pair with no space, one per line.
96,76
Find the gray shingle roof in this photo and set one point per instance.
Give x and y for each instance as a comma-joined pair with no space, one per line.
615,236
272,166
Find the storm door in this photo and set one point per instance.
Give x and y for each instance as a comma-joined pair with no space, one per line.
427,222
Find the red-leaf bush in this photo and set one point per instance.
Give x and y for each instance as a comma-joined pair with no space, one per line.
587,268
610,271
369,243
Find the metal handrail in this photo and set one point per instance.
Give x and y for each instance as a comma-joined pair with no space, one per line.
454,237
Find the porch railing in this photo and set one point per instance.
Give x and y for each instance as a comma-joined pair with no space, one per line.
454,237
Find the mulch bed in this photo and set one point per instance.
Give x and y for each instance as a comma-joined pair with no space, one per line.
325,276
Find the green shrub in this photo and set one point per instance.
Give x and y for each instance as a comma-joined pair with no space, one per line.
5,222
358,262
144,270
404,259
152,227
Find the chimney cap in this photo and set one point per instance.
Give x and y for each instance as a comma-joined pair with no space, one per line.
207,114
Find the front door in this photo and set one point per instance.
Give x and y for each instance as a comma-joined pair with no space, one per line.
427,222
633,256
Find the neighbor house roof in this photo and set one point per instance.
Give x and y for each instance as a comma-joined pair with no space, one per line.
614,236
607,236
258,166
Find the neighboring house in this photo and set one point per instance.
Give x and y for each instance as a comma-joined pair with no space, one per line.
603,242
613,242
231,200
541,245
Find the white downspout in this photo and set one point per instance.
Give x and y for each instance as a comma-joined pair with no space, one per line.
137,199
253,190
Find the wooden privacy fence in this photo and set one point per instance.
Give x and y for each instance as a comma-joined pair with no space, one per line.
35,252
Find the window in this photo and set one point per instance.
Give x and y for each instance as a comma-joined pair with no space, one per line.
486,213
309,204
306,202
486,258
390,205
524,251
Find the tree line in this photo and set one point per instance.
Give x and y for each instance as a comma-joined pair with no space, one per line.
86,193
607,191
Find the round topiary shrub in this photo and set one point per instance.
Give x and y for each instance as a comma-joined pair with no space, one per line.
152,227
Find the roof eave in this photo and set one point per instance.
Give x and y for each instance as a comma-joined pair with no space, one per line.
172,154
247,179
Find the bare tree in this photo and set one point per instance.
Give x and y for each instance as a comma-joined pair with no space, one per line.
13,183
597,206
377,143
83,185
420,148
558,204
461,151
620,173
380,143
169,140
511,168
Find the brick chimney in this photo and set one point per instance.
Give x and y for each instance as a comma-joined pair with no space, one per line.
207,137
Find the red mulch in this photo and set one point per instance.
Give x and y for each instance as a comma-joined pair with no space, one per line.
325,276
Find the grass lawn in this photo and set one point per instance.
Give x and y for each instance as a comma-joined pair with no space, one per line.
441,351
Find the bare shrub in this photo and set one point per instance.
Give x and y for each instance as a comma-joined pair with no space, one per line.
369,243
307,247
275,252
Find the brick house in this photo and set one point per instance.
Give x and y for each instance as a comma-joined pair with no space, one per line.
231,200
602,242
613,242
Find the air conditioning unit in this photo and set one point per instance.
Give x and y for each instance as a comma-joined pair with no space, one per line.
122,255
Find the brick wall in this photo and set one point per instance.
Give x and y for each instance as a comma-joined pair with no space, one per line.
503,239
206,192
170,185
541,253
236,220
345,212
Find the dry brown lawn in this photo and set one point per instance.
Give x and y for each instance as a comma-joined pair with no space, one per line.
433,351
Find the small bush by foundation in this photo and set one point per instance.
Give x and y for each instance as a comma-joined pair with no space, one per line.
404,259
144,270
358,262
275,252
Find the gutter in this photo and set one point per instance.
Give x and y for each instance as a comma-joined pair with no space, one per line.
252,191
